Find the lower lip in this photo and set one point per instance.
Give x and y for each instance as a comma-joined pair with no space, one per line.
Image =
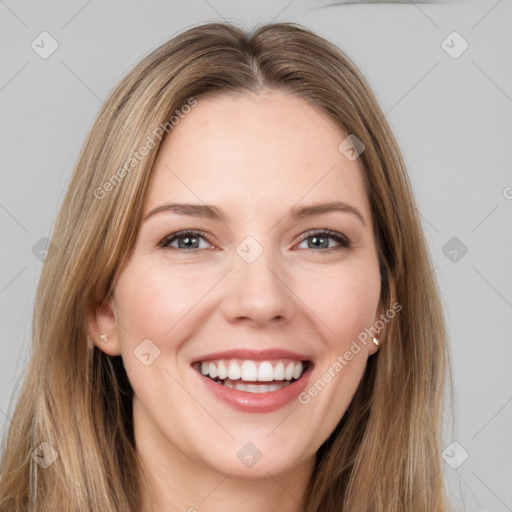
257,402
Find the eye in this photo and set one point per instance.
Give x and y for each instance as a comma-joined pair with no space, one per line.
186,241
190,240
320,239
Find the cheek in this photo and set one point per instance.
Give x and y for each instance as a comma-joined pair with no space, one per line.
150,301
156,301
142,303
344,298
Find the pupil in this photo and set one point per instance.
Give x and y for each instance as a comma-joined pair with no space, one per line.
316,238
186,240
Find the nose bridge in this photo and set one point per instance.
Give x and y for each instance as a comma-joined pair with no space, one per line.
257,288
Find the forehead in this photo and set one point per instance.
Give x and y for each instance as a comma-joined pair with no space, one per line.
249,150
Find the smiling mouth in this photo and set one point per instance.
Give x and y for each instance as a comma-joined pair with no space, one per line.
253,376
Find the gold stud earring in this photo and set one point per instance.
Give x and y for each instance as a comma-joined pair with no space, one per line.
375,341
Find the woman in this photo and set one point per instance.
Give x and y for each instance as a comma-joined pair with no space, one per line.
238,311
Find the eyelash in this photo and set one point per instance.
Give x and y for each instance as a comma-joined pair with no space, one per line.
338,237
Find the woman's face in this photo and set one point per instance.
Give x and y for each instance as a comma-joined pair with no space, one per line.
258,292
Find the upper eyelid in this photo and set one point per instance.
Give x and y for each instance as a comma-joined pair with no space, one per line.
325,232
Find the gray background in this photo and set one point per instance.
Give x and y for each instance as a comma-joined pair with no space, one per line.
452,118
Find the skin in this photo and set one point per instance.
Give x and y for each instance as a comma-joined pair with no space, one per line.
255,157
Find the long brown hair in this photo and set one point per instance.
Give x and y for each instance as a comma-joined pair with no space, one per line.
384,455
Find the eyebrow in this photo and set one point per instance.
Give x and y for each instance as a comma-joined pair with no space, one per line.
214,213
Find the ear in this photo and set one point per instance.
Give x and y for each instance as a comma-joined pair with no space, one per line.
379,323
103,328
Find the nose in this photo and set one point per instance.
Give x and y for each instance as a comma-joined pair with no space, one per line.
257,293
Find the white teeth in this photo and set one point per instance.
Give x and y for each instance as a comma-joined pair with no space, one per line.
255,388
234,371
279,372
223,371
212,371
275,387
249,371
252,371
266,372
288,373
297,371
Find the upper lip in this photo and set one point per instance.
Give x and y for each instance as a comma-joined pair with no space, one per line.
254,355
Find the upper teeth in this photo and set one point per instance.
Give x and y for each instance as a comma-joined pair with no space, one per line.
264,371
